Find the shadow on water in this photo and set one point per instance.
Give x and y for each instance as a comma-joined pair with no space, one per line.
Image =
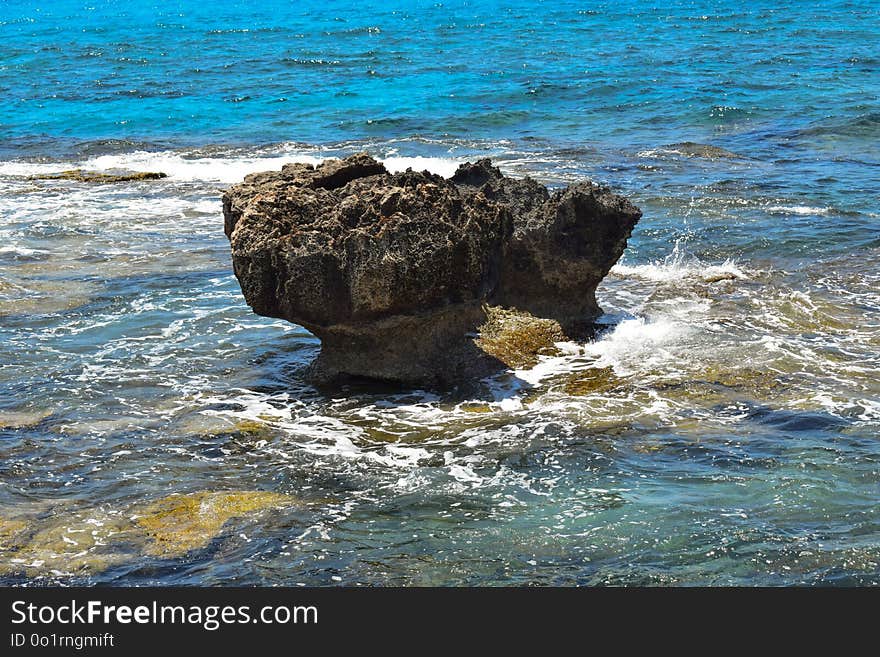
392,394
293,365
795,421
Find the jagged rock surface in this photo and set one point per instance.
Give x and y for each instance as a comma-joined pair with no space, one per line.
392,271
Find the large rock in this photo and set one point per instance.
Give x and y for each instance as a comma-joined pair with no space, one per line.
392,272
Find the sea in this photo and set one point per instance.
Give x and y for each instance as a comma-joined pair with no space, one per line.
722,428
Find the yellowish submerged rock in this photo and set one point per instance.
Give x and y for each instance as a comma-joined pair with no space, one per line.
517,338
593,380
9,530
91,540
16,420
70,543
180,523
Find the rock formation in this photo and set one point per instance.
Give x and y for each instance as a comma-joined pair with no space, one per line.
393,271
101,177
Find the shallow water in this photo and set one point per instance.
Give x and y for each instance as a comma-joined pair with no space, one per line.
721,429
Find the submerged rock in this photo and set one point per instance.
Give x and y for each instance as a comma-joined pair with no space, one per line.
594,380
82,175
88,541
73,542
393,271
518,338
10,529
29,295
707,151
180,523
22,420
722,276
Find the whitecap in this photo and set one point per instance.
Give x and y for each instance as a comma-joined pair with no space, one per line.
225,170
799,210
639,343
445,167
677,270
22,252
213,169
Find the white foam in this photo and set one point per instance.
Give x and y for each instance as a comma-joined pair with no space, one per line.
463,474
16,168
636,334
445,167
544,369
21,251
676,271
639,344
227,170
633,345
798,209
214,169
657,153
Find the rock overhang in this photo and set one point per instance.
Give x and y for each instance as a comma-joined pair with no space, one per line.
392,271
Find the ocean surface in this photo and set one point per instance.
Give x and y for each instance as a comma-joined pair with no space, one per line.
728,432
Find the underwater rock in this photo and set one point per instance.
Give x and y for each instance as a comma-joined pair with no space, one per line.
518,338
594,380
91,540
707,151
10,529
250,431
26,296
77,542
475,407
81,175
22,420
717,278
180,523
393,271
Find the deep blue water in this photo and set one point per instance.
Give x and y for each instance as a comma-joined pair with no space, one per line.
740,443
758,76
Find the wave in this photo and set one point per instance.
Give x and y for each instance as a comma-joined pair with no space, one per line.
799,210
676,270
181,166
22,253
638,344
862,125
439,165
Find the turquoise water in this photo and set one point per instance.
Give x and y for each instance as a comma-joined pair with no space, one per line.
737,440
